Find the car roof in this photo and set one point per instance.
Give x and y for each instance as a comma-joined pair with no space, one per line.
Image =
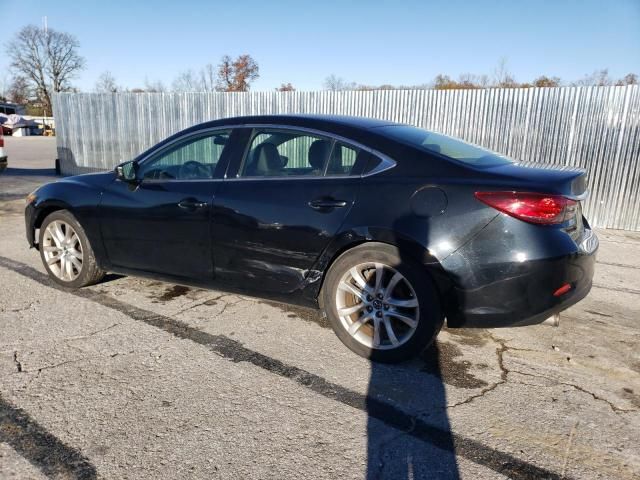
322,122
358,129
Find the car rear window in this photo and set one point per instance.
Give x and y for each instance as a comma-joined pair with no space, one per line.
432,142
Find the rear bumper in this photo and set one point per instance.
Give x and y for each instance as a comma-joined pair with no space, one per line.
515,293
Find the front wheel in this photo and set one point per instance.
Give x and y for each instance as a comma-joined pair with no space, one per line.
66,252
381,304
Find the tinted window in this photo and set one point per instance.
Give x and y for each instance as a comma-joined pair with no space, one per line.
343,158
369,161
193,159
448,146
285,153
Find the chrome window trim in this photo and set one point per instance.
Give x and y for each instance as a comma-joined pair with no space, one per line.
386,163
291,177
179,139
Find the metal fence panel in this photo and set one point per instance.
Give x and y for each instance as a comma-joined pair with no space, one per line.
597,128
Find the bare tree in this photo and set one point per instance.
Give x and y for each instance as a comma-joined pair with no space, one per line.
236,75
190,81
47,59
502,78
598,78
106,83
601,77
19,90
337,84
544,81
154,87
4,85
208,78
186,82
484,81
468,80
286,87
443,82
628,79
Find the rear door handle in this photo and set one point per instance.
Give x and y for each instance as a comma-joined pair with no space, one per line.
326,203
190,204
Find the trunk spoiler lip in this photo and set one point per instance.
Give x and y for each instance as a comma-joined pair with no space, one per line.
550,166
578,198
515,171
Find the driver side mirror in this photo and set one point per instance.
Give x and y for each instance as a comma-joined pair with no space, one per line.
127,172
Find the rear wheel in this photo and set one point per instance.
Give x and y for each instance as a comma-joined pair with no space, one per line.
382,305
66,252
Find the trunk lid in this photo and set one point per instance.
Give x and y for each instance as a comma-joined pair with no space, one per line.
568,181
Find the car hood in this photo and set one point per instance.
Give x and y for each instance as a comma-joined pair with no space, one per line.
93,179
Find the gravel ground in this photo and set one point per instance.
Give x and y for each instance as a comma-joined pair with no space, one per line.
137,378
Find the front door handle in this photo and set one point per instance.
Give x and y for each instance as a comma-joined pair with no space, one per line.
326,203
191,204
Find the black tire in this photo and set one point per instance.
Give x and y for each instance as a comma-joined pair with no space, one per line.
90,273
430,316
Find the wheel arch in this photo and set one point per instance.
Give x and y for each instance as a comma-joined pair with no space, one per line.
41,211
406,246
47,208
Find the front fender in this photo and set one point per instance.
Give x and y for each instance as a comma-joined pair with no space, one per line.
79,195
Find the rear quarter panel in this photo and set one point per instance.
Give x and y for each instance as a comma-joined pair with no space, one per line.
427,217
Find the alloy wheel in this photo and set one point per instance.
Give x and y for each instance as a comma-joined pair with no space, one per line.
62,250
377,306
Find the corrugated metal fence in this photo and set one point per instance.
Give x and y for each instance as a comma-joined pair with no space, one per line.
593,127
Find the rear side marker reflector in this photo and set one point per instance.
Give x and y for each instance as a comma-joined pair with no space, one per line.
532,207
562,290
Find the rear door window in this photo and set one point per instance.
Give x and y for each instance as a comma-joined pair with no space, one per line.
280,153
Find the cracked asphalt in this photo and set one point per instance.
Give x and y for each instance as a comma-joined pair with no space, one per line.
136,378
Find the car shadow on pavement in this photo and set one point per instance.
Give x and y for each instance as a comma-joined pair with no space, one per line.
414,440
110,277
408,430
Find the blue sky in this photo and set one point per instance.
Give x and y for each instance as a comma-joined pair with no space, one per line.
368,42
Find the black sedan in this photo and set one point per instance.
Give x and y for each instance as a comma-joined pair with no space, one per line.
389,229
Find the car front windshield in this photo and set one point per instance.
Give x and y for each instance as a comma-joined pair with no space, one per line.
432,142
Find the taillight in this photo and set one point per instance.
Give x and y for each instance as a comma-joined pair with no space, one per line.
531,207
1,142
